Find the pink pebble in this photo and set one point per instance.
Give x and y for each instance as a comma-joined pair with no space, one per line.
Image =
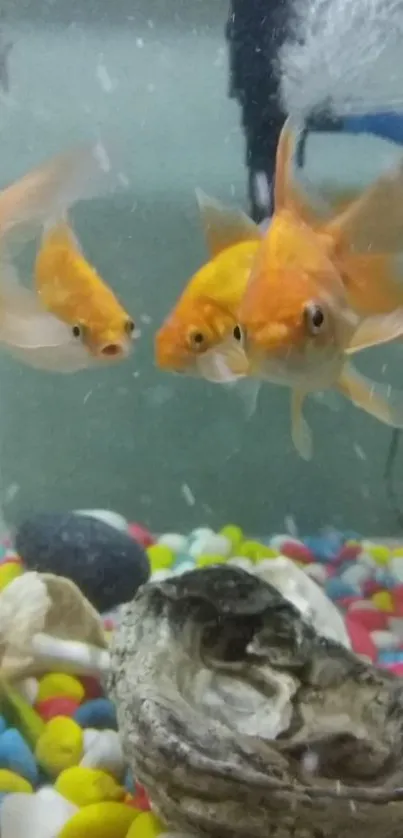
109,624
141,535
360,638
370,586
57,706
369,618
297,551
397,668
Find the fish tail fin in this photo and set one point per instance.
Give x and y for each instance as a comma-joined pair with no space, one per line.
381,401
373,223
47,192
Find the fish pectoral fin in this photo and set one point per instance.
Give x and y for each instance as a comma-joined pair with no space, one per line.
300,431
373,331
224,226
380,400
374,222
247,390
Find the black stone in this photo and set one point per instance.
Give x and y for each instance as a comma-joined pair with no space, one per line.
107,565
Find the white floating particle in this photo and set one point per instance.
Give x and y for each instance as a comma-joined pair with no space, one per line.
104,78
11,492
359,452
310,762
291,526
188,495
87,396
146,319
151,88
139,43
102,157
123,179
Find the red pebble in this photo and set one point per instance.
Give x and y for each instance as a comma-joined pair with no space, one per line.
369,618
141,535
57,706
397,596
92,687
346,601
109,624
298,552
347,553
140,799
397,668
369,587
360,638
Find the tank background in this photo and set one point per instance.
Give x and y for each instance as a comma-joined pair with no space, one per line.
131,438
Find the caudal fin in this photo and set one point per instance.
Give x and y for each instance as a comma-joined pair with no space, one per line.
373,224
45,194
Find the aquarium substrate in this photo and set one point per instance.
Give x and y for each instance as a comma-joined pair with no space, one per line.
54,740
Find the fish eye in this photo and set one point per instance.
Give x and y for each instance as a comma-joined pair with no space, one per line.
130,327
237,333
76,330
314,317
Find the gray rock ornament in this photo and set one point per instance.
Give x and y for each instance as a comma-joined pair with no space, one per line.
242,721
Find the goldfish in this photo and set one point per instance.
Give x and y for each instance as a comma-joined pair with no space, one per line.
70,320
191,338
298,320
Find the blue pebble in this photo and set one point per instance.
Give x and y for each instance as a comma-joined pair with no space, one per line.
99,713
129,782
325,547
337,588
15,755
182,558
390,656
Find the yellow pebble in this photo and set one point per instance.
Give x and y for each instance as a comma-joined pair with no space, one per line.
147,825
59,684
383,600
100,820
256,551
60,745
397,551
84,786
8,572
207,559
379,553
234,535
160,557
9,781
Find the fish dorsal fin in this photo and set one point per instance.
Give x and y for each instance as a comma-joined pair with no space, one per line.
283,155
60,234
224,226
374,222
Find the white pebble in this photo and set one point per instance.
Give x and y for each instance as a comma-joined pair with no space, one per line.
396,567
175,541
317,572
29,689
242,562
363,603
385,639
396,626
356,574
105,753
160,575
183,567
90,734
118,522
200,532
366,559
213,544
31,815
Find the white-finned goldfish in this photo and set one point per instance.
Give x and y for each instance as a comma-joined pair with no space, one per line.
73,320
298,321
190,339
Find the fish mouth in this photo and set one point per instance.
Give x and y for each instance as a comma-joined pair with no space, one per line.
113,350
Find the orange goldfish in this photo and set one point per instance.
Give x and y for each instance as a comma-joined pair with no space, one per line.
72,320
190,339
299,319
